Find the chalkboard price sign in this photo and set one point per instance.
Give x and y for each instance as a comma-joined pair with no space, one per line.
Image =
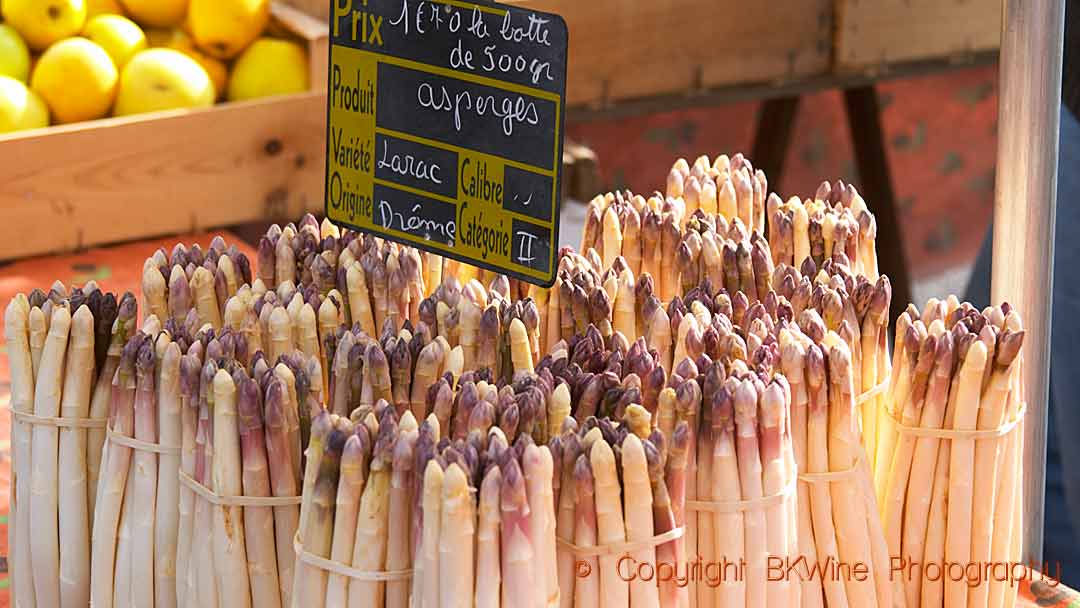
445,128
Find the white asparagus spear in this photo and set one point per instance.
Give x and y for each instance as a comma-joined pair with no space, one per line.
189,411
39,330
16,332
903,455
457,542
121,584
113,481
609,523
259,540
639,518
518,552
230,554
74,519
904,357
283,482
587,589
349,490
371,523
400,515
852,535
432,506
309,582
729,526
489,573
538,465
988,457
45,550
771,424
817,461
166,520
750,469
1005,504
143,483
961,471
923,466
793,363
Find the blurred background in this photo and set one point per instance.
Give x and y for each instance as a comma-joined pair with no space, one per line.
939,136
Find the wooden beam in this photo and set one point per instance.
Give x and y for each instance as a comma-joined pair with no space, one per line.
776,118
770,89
875,184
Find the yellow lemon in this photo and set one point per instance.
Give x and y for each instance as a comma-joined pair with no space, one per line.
20,108
119,36
162,79
14,56
224,28
178,40
269,67
103,7
43,22
157,13
77,79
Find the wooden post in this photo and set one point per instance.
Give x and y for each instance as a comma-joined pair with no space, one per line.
875,184
1027,161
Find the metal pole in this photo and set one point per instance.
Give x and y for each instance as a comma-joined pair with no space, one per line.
1028,104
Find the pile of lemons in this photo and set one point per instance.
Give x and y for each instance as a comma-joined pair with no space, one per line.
64,61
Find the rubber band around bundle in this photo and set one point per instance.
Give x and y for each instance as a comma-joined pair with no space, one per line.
1001,431
142,446
874,391
735,506
73,423
834,476
236,501
617,548
338,568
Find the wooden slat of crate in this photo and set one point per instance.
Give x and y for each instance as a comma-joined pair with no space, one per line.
120,179
625,50
301,24
319,9
872,33
622,49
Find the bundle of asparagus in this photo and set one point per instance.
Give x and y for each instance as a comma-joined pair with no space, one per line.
242,459
620,502
381,279
287,320
469,520
678,251
187,427
398,368
729,485
857,309
135,526
622,223
495,328
64,348
188,278
837,525
835,221
728,187
948,466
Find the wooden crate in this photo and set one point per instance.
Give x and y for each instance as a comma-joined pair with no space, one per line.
319,9
628,50
873,33
118,179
